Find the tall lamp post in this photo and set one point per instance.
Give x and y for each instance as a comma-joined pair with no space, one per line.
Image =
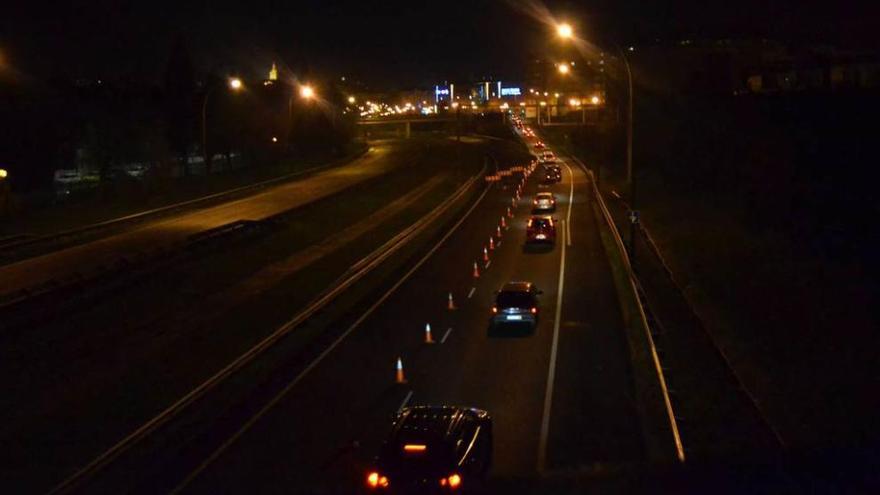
565,32
306,92
235,85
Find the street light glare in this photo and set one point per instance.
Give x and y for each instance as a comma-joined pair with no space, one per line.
594,100
307,92
351,99
235,84
3,173
563,68
564,30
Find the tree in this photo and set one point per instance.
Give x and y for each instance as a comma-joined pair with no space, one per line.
180,105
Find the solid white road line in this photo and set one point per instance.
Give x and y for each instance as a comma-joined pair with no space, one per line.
570,201
405,400
446,335
487,264
471,293
262,412
551,373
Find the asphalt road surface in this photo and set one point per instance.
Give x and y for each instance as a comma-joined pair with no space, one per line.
561,397
165,232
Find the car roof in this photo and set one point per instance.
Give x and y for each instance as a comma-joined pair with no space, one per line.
517,287
430,424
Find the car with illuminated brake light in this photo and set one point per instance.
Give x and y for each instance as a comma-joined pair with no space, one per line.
544,201
541,229
434,449
552,175
539,145
516,303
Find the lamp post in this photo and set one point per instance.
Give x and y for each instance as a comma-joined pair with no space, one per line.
234,85
566,32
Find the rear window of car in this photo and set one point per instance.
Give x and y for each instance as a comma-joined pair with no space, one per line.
541,223
510,299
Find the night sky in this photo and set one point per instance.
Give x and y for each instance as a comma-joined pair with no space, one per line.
382,42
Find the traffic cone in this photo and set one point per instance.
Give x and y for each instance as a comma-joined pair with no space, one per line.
428,338
491,243
399,378
476,270
485,255
503,221
498,230
513,201
450,304
509,213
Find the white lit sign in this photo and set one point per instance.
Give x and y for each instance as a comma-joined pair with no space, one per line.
510,92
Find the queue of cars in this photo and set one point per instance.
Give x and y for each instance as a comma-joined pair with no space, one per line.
439,449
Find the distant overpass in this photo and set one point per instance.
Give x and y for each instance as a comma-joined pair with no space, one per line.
406,122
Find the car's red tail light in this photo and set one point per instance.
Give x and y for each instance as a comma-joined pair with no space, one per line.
453,481
494,309
534,311
376,480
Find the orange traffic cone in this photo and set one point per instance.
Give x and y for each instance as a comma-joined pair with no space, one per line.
509,213
485,255
450,304
491,243
476,270
503,221
399,378
513,201
428,338
498,230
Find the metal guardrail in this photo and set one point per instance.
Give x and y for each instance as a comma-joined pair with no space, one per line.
354,274
618,240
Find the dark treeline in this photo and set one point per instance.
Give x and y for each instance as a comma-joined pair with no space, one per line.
102,124
797,163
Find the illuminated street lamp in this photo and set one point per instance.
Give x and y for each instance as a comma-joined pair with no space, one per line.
595,100
307,92
3,173
564,30
351,100
235,84
563,69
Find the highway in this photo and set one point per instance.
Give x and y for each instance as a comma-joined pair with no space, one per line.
162,233
561,398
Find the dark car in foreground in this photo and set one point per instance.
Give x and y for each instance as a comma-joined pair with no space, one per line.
434,449
516,303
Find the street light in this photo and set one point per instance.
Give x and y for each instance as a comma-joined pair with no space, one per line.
594,100
563,69
564,30
235,84
307,92
351,100
3,173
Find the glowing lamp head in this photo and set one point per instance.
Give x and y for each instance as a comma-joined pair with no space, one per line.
235,84
564,30
564,68
307,92
351,100
594,100
3,173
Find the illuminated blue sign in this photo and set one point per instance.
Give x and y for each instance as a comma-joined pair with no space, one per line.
441,93
511,92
